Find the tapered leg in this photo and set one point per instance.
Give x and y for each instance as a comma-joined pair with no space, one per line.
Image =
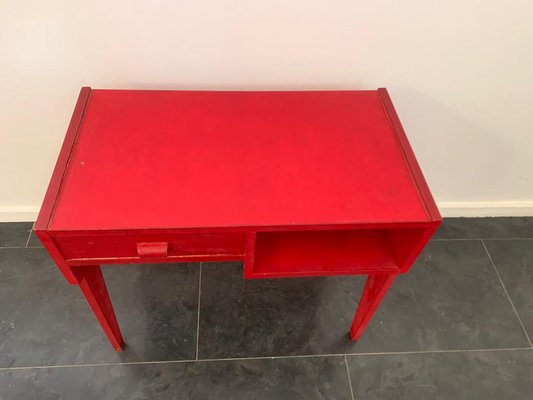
375,289
93,287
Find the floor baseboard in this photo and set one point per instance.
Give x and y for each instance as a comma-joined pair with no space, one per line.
486,208
18,213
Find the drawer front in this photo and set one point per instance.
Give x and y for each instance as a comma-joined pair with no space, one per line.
148,245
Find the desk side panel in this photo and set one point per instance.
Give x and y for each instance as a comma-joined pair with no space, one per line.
56,255
62,162
421,183
47,208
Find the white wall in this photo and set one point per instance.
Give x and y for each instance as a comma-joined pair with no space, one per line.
459,72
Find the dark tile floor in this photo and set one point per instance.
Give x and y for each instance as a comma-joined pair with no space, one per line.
458,326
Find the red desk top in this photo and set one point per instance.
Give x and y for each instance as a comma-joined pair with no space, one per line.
182,159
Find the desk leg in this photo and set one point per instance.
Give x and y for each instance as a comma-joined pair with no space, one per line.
93,287
375,289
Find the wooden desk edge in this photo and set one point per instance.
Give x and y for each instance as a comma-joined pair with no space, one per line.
416,172
50,198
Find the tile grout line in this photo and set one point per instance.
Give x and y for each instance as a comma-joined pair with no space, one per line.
349,378
198,318
29,237
391,353
507,294
43,270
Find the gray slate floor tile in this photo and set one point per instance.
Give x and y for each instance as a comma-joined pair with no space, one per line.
481,228
470,376
46,321
514,262
14,234
452,299
34,241
291,379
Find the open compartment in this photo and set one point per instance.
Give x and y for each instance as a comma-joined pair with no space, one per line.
333,252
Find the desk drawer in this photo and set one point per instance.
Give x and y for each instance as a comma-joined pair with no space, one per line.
114,245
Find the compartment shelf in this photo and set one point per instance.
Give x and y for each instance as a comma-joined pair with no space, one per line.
312,253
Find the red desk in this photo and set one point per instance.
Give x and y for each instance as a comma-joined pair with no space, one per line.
291,183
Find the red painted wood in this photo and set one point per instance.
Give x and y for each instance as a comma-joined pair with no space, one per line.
419,246
285,254
375,289
249,256
94,289
174,159
52,192
102,245
291,183
169,259
410,156
403,241
61,165
152,250
56,255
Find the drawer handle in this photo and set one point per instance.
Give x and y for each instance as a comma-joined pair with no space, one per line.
152,249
